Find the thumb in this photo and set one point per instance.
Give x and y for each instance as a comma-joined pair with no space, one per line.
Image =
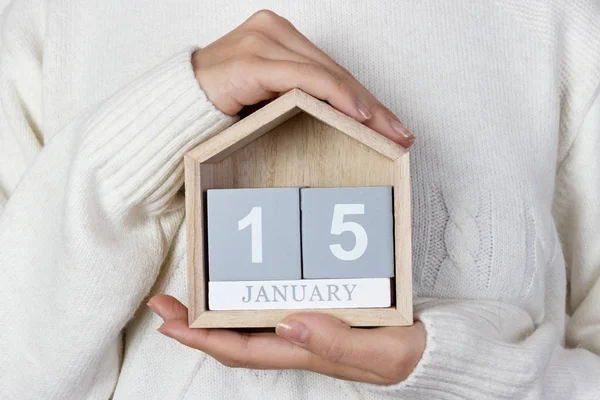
168,307
323,335
389,352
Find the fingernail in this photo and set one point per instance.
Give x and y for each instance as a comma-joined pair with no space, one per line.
154,309
400,129
363,110
293,330
151,306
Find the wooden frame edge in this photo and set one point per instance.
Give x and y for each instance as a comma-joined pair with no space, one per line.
282,109
403,237
246,130
192,184
269,318
348,125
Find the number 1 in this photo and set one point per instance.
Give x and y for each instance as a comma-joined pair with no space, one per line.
254,219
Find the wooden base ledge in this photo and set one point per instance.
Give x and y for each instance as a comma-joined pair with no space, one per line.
269,318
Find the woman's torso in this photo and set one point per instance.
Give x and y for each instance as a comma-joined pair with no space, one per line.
479,83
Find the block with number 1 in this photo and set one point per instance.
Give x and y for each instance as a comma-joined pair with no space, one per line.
253,234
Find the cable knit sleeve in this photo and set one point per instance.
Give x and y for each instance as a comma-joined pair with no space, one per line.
85,231
577,215
489,350
20,91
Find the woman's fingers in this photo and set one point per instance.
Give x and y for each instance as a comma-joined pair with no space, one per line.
386,123
383,351
168,307
341,371
267,56
249,350
382,120
315,80
239,350
281,31
252,79
231,348
268,48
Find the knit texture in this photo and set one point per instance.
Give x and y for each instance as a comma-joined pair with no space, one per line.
99,104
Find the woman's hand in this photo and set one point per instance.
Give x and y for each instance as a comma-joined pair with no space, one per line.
309,341
263,57
266,56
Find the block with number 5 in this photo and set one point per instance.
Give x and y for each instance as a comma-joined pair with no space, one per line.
253,234
347,232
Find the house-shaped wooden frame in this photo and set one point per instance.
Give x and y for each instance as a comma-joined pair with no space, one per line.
296,141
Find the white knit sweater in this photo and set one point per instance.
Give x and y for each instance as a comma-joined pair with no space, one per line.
99,104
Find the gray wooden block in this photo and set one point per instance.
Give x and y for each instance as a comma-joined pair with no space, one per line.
253,234
347,232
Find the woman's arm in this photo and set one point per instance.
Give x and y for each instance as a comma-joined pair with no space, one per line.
83,234
577,214
21,49
492,350
474,349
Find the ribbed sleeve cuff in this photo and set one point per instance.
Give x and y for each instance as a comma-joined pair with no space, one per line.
478,350
136,140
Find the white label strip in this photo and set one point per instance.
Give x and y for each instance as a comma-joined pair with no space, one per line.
299,294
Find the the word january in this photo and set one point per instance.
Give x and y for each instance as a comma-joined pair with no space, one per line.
298,293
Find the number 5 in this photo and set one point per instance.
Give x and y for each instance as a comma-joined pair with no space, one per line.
338,226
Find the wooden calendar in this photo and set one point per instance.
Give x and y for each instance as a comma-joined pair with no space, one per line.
298,207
